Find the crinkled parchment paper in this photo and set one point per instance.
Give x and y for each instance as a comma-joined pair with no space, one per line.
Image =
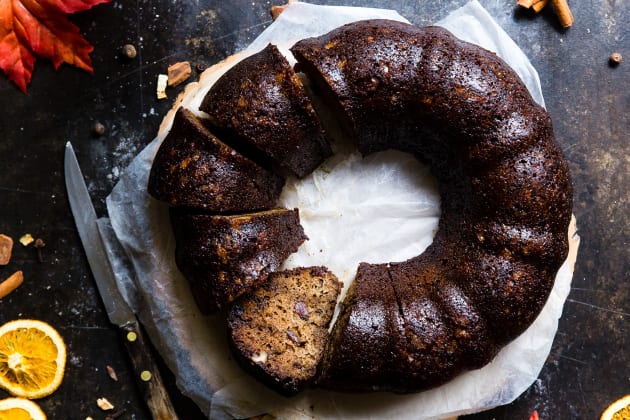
381,208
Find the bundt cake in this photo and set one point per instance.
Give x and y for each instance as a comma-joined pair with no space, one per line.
280,330
224,256
404,326
192,168
506,203
261,106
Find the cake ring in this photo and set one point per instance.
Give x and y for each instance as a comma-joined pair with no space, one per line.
506,201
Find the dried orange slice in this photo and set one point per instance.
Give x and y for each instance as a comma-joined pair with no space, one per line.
619,410
20,409
32,358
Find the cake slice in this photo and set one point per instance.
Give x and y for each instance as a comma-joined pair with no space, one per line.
367,336
280,330
262,107
224,256
193,168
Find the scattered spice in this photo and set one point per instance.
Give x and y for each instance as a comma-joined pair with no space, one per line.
11,283
561,7
104,404
178,72
98,129
111,373
115,415
615,59
6,248
539,5
129,51
39,245
161,86
564,13
26,239
535,5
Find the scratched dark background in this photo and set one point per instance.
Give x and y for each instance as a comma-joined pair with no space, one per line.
589,100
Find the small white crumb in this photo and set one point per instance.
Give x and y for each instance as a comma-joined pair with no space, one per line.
26,239
104,404
260,357
161,86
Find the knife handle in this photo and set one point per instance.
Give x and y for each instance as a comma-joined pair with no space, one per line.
147,374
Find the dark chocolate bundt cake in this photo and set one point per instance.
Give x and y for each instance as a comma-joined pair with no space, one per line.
224,256
280,330
193,168
506,202
505,191
261,106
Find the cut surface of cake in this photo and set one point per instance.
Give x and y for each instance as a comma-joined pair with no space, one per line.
224,256
279,331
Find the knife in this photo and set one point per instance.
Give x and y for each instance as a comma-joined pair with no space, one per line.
120,314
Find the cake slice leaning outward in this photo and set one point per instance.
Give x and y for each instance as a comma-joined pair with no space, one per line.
193,168
224,256
280,330
368,333
262,107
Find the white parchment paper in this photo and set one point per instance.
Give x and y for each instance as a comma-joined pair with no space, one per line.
381,208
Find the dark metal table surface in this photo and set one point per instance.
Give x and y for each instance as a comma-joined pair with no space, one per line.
589,100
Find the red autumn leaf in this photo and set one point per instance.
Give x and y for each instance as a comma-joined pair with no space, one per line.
30,28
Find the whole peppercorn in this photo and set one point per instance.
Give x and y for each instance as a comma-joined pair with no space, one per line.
39,245
129,51
615,59
98,129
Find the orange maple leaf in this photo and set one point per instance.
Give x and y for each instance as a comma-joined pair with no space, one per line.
30,28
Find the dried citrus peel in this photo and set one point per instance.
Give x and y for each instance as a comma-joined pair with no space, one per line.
20,409
32,358
619,410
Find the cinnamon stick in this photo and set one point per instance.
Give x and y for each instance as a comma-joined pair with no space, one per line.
539,5
564,13
6,246
526,3
535,5
178,73
11,283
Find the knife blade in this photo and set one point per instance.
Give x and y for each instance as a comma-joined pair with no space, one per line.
120,314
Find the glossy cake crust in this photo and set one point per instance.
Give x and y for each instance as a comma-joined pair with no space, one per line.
406,326
225,256
505,191
193,168
262,107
